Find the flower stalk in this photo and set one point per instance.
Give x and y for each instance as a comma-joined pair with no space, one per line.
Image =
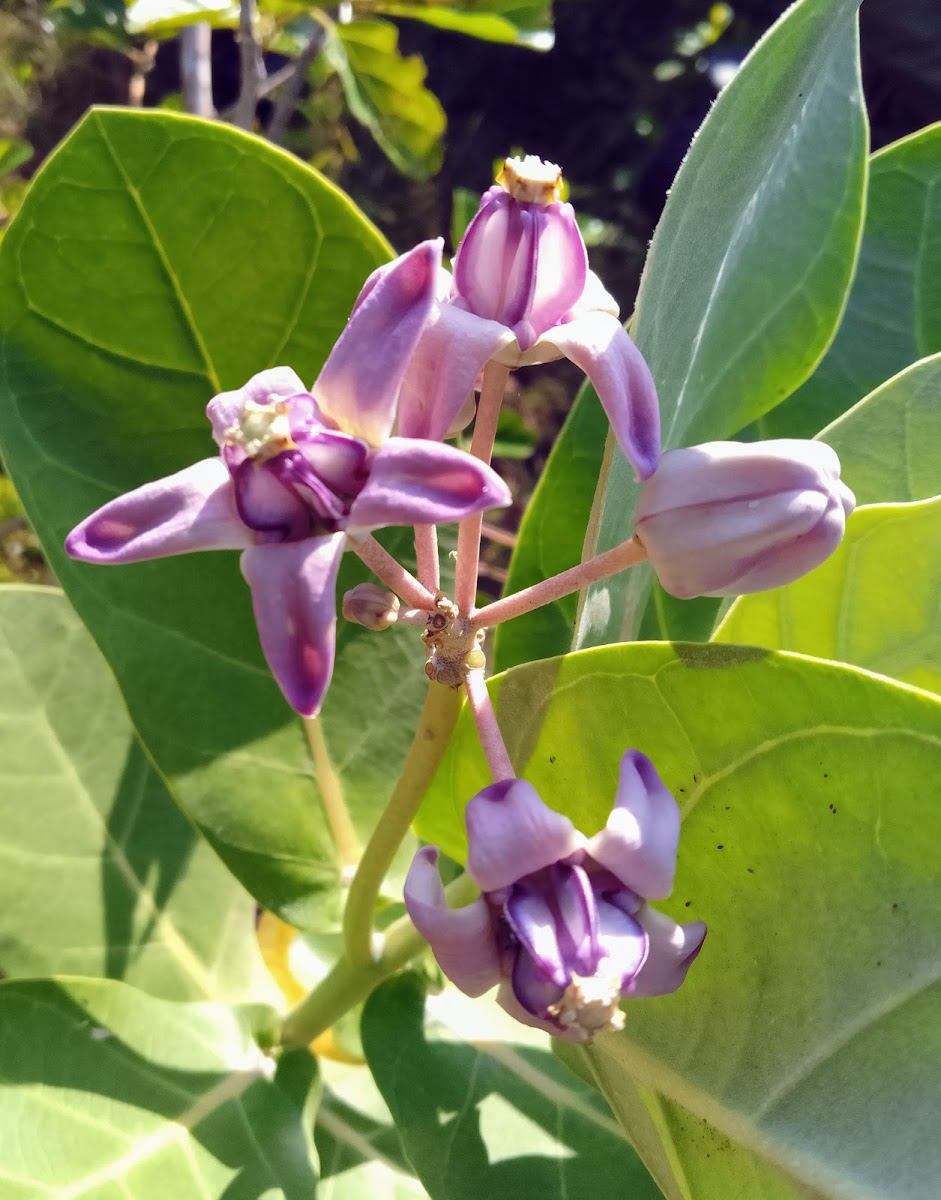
628,554
435,726
392,573
485,432
488,729
426,556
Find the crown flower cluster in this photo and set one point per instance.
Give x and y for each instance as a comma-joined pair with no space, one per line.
563,926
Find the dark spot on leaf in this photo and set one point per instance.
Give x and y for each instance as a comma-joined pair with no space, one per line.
720,846
750,870
552,758
879,963
895,907
826,775
687,904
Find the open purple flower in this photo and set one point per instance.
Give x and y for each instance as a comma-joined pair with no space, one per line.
562,924
301,471
522,294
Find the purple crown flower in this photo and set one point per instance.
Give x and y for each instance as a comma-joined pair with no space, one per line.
727,518
562,924
299,472
521,294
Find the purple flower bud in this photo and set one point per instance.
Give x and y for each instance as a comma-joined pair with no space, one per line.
562,924
727,518
371,605
522,261
522,294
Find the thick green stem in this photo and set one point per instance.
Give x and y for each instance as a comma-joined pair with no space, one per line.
347,985
431,739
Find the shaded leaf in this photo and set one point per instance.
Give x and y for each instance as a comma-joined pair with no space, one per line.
387,93
358,1145
750,264
805,1046
102,874
113,1093
493,1115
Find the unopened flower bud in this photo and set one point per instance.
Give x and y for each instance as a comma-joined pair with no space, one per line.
522,261
371,605
727,518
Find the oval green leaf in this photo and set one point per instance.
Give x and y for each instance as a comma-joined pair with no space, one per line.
750,264
873,603
159,259
888,442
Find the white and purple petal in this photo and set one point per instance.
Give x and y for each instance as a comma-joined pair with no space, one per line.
530,915
268,505
417,482
532,988
462,939
452,351
598,344
511,833
639,842
672,949
294,597
192,510
358,387
624,941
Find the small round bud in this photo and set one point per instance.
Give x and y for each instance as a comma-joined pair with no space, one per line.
475,659
370,605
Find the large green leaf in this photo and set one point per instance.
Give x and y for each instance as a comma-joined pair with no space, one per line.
552,534
807,1039
888,443
482,1108
528,24
751,261
873,603
157,260
102,874
893,314
387,93
106,1092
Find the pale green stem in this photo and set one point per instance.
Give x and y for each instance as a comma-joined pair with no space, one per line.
431,739
468,534
345,837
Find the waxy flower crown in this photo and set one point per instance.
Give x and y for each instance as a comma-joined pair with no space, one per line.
562,925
